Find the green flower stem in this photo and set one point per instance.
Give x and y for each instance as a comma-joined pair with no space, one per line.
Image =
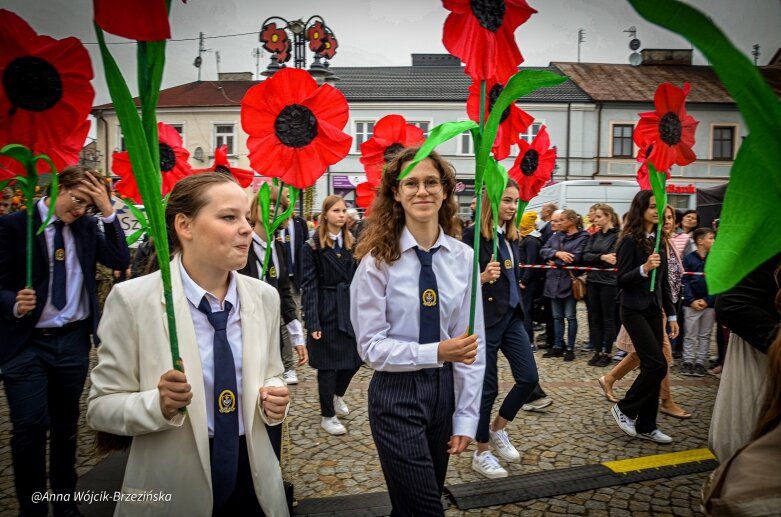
476,259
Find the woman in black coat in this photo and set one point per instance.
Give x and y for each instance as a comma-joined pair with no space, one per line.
641,314
601,293
328,267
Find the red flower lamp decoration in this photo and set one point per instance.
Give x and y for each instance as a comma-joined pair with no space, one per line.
173,164
534,165
142,20
391,134
294,127
669,130
513,122
274,39
46,91
221,164
315,35
482,34
329,46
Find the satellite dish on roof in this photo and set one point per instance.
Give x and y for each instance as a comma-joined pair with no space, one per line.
635,59
634,44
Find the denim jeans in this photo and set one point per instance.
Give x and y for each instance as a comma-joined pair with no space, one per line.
564,308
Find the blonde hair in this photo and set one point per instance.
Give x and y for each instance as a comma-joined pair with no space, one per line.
322,225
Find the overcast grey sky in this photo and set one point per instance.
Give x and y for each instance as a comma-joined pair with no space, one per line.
386,32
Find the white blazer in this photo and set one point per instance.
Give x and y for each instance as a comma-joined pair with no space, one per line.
172,457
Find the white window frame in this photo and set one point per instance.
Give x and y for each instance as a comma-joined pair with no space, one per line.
530,132
182,133
215,144
735,132
120,140
418,121
465,140
356,147
610,152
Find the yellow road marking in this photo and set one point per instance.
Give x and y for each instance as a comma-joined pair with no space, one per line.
659,460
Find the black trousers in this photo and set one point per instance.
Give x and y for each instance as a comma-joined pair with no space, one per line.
330,383
642,400
410,415
243,500
601,311
43,384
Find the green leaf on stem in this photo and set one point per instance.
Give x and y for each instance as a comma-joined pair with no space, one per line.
441,133
659,186
495,183
743,242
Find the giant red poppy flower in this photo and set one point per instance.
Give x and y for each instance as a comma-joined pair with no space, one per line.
221,164
283,56
642,173
273,39
63,155
294,127
534,165
365,193
482,34
314,35
45,92
142,20
173,164
391,134
668,131
513,122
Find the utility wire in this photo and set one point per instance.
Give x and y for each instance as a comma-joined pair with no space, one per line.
178,39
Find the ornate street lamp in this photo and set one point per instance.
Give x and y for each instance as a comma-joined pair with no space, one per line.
314,34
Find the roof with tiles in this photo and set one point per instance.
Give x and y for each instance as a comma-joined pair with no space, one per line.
605,82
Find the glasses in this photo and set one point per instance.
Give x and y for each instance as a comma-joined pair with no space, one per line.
411,187
80,203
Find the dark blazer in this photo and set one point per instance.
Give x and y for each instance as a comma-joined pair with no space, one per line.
301,232
92,245
600,243
530,247
281,282
496,294
634,289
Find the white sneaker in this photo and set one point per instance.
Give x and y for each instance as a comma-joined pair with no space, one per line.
503,446
340,407
655,436
290,377
486,464
332,425
536,405
624,422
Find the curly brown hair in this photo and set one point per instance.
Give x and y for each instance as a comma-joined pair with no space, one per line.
387,219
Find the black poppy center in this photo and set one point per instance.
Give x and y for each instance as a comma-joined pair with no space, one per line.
489,13
223,169
296,126
167,158
670,128
32,84
391,151
493,96
530,161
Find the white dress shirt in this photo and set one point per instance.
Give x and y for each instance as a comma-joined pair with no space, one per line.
290,236
204,333
385,313
294,328
76,300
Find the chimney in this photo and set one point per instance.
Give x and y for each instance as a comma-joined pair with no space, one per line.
435,60
666,56
234,76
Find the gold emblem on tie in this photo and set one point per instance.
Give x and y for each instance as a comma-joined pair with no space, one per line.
508,264
59,254
272,272
227,402
287,237
429,298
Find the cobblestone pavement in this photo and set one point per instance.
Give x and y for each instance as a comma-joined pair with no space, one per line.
576,430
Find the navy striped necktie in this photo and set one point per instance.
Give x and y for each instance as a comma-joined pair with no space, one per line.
225,452
508,269
59,275
429,298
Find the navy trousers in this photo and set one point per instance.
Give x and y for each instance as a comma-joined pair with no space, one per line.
243,500
410,415
509,336
43,383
